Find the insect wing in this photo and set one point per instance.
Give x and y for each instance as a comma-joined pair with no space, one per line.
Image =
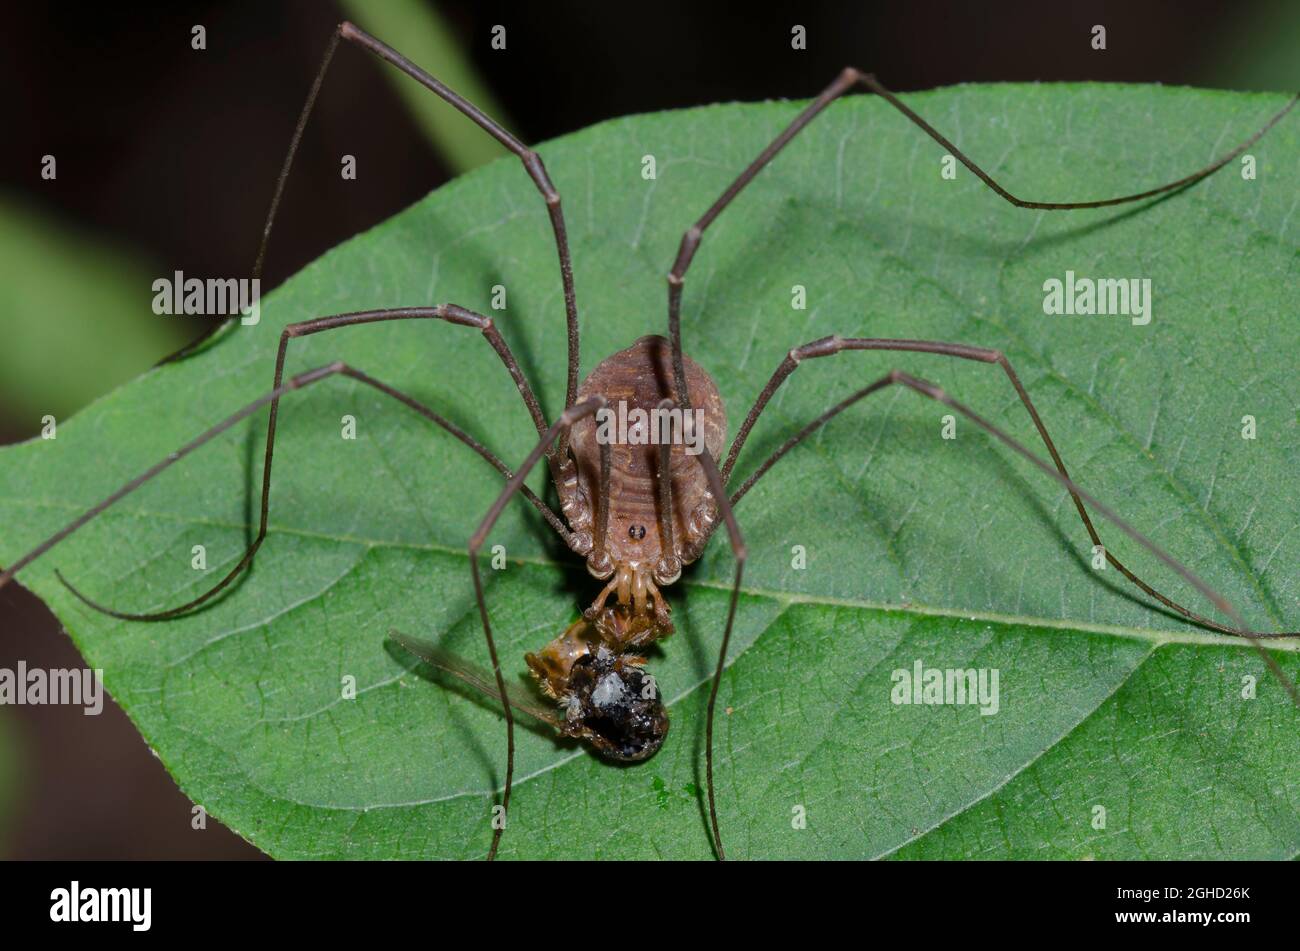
481,680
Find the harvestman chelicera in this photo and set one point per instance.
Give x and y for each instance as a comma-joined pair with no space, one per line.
639,512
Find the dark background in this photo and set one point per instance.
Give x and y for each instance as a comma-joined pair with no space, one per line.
174,152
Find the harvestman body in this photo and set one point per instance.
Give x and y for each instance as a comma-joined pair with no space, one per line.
638,511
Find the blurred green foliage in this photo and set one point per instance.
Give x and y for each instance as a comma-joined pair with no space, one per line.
1262,53
71,311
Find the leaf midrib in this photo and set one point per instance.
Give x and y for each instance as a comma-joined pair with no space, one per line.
783,598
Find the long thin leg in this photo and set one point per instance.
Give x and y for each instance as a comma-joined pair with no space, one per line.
740,553
559,427
934,392
803,434
846,80
828,346
531,160
298,382
532,164
598,561
448,312
1079,495
280,180
669,568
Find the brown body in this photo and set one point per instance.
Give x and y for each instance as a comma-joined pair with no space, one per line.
641,377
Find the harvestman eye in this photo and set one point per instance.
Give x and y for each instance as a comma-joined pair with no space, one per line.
590,681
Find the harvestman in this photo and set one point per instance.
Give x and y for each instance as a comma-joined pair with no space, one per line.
638,513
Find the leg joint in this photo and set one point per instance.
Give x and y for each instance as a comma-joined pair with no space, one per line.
824,347
465,318
685,252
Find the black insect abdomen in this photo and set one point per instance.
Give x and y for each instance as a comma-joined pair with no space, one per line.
618,705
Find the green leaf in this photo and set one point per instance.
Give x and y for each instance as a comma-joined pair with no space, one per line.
951,552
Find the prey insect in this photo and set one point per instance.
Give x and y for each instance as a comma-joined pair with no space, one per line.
638,510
